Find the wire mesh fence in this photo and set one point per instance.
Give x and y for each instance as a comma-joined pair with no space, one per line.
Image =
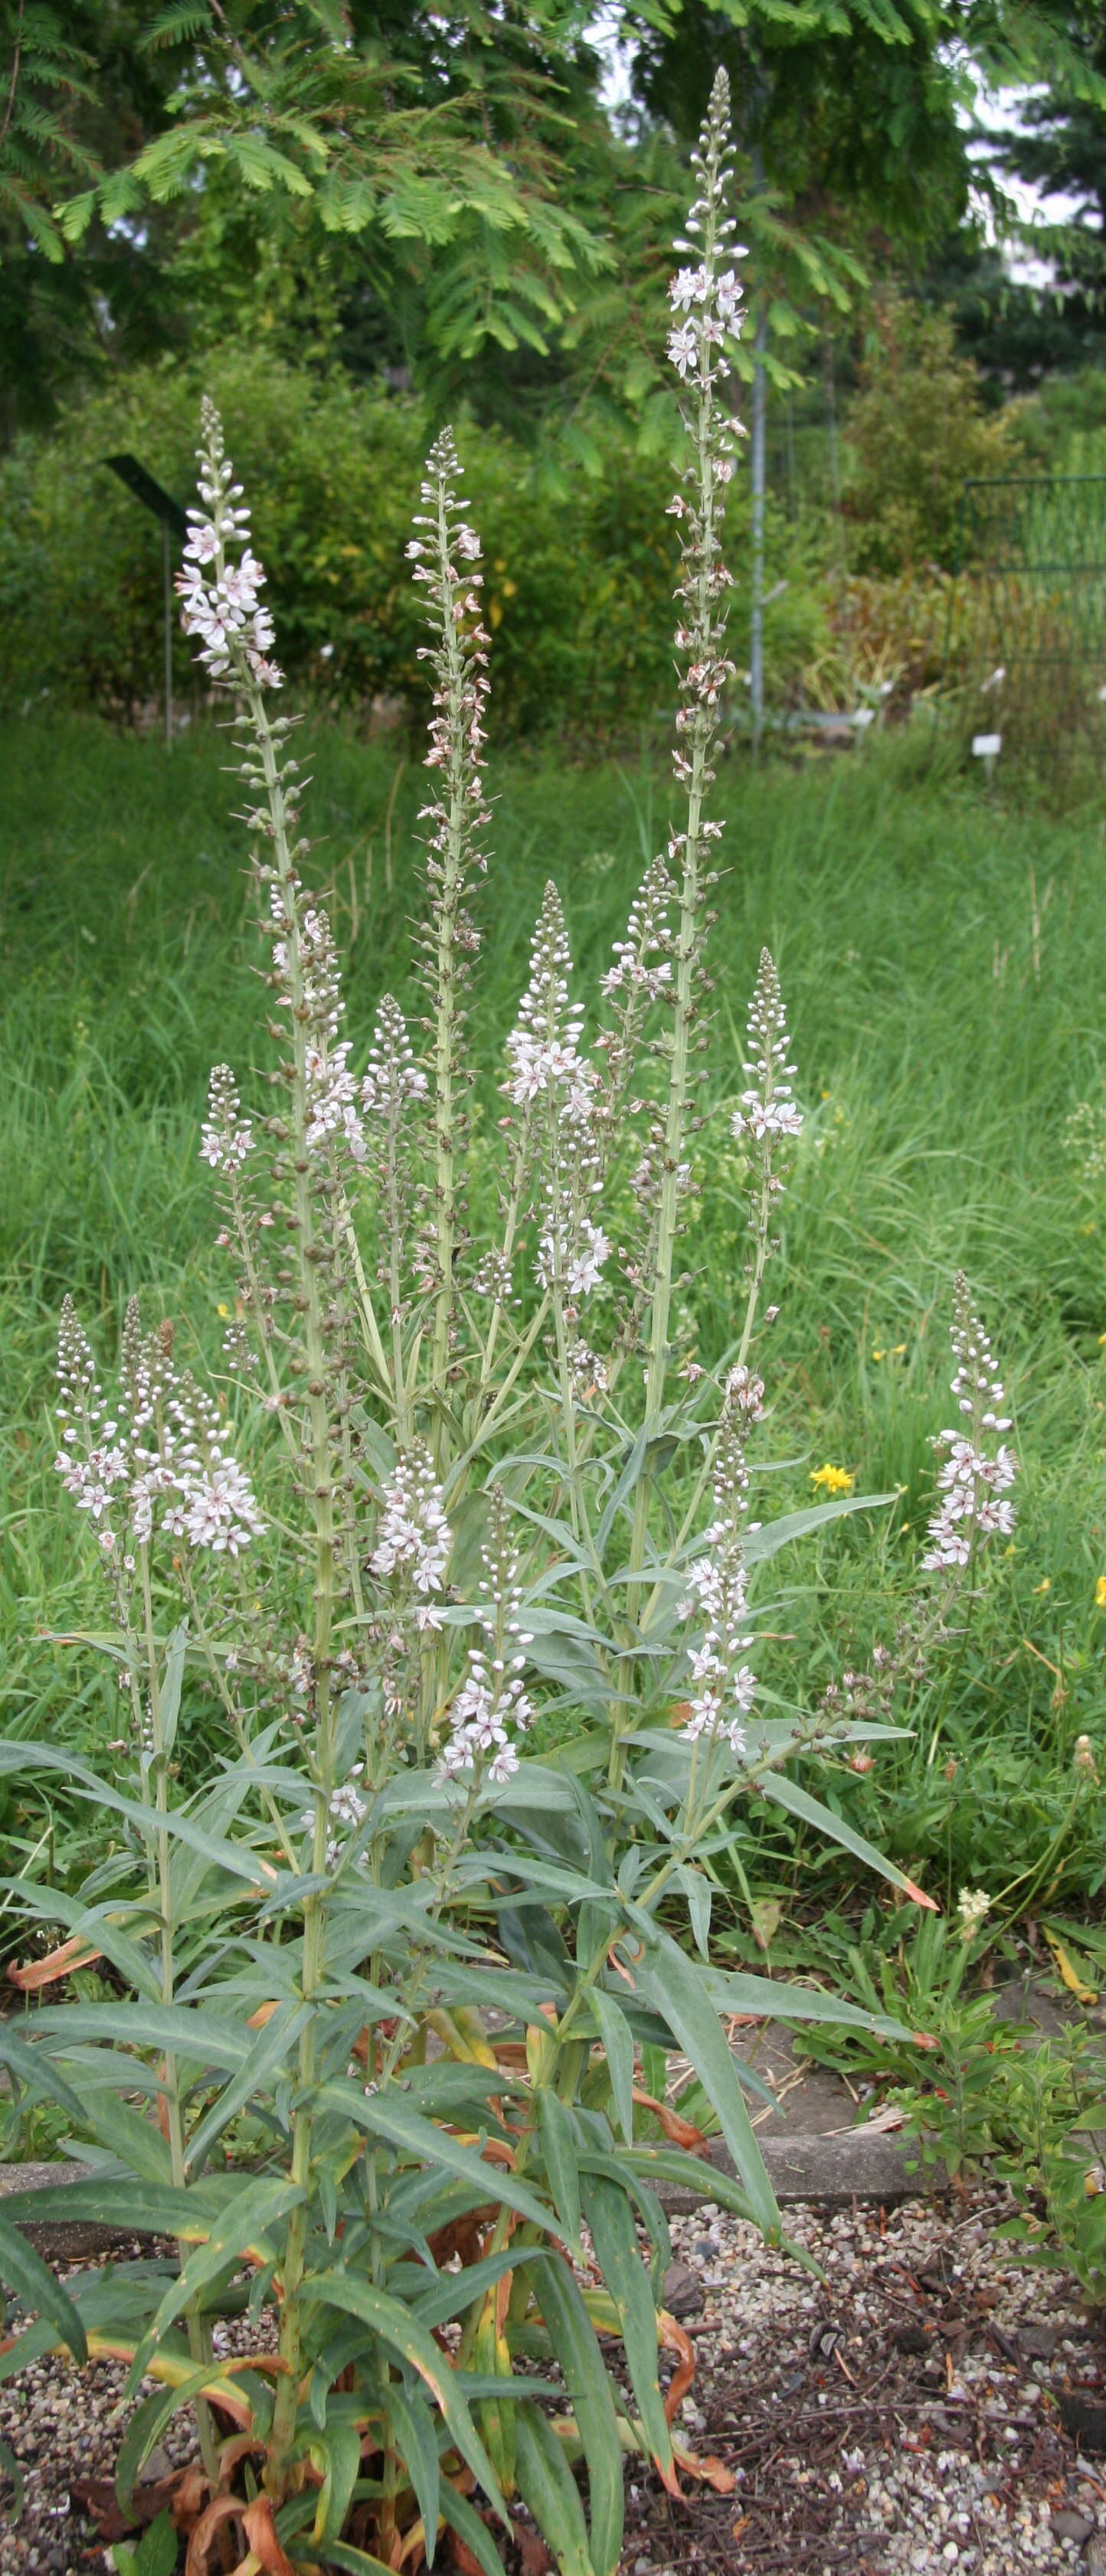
1027,612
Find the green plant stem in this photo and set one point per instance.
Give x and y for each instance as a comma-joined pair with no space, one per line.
365,1308
233,1713
199,2342
447,964
319,1482
1040,1869
761,1230
688,943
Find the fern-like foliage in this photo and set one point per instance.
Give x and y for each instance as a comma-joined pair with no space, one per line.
46,76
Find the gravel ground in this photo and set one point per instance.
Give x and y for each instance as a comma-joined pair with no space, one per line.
904,2415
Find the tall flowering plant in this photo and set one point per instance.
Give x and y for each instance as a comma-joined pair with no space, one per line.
458,1559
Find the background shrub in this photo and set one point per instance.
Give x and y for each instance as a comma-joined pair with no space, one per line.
580,569
917,432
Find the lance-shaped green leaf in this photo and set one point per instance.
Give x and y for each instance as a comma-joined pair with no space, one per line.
662,2164
336,2451
387,2115
35,2286
798,1802
34,2068
559,2155
610,2217
574,2342
548,2487
243,2227
758,1544
271,2048
415,2440
394,2326
614,2031
735,1990
232,1857
129,2139
175,2030
131,2206
452,2292
172,1678
462,2517
676,1987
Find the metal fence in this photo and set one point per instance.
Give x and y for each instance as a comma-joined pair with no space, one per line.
1027,613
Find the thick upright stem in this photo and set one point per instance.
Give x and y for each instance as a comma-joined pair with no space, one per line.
757,492
318,1469
445,1035
198,2342
690,927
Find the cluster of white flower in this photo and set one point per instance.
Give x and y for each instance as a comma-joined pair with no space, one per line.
643,965
161,1444
392,1077
332,1092
492,1708
446,557
217,1508
219,595
413,1536
767,1110
571,1251
978,1466
547,1066
347,1807
706,303
226,1138
973,1906
723,1686
544,1045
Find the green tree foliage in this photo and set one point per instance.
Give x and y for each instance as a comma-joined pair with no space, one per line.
579,578
76,92
918,431
1054,138
1059,144
435,141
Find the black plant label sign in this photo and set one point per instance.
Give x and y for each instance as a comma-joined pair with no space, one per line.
150,493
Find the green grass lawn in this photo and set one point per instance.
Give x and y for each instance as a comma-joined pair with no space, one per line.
943,955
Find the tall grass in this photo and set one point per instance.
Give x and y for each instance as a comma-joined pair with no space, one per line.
943,955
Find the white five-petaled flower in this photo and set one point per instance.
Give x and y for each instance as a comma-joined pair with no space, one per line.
492,1707
346,1807
723,1686
978,1467
549,1074
768,1109
219,594
226,1138
413,1536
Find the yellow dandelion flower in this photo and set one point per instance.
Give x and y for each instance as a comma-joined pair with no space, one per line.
1046,1586
1100,1593
837,1480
